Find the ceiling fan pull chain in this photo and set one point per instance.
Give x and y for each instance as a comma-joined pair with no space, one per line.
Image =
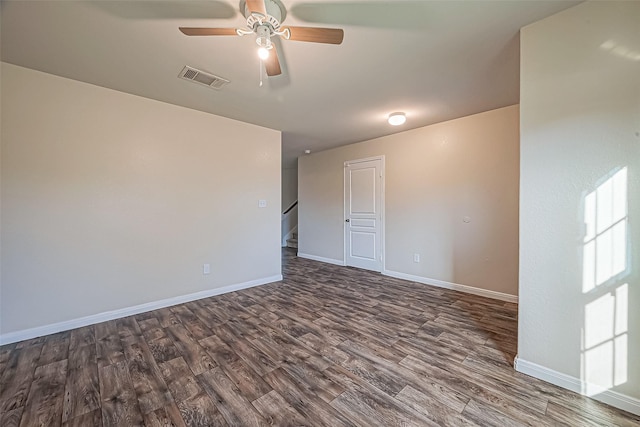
260,67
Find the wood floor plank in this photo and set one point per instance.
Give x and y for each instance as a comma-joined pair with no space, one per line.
17,377
432,406
290,349
366,410
5,351
164,417
167,318
90,419
246,379
366,404
514,408
163,349
11,418
248,327
119,403
206,316
129,331
313,381
192,352
190,321
277,412
38,341
108,345
326,346
234,407
368,372
199,411
560,414
250,384
485,415
519,395
221,353
82,336
308,404
421,346
151,328
437,395
252,355
194,404
149,386
180,380
211,312
384,374
82,389
44,404
55,348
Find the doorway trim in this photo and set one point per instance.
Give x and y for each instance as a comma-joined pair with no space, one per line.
382,207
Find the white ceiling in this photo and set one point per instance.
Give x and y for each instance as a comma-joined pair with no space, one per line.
434,60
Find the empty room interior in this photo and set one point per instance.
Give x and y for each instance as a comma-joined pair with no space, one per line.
320,213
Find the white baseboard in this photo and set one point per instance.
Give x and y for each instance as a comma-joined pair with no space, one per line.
128,311
321,259
610,397
454,286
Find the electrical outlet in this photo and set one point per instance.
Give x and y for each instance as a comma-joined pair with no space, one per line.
206,269
262,203
416,257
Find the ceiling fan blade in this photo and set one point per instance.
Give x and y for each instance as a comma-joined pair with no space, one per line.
257,6
272,63
191,31
316,35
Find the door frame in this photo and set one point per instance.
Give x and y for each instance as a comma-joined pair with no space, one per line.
382,207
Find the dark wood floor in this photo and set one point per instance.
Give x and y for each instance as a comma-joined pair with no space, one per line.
328,346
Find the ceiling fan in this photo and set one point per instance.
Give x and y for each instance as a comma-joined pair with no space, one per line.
264,19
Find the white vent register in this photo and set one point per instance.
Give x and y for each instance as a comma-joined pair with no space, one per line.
202,77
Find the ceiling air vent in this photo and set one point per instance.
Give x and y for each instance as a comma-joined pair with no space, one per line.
206,79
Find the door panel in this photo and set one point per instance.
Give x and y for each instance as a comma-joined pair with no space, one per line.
363,245
363,189
361,222
363,214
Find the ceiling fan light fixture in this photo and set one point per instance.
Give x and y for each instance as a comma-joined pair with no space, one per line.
396,119
263,53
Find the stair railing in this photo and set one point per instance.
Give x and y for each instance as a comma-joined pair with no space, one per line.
289,222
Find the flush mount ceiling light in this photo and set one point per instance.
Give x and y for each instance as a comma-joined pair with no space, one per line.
396,119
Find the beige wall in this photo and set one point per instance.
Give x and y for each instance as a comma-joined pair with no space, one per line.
579,322
111,200
435,176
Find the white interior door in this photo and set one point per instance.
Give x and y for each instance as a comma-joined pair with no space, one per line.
363,213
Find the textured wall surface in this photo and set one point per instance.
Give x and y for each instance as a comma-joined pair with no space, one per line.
580,196
111,200
435,177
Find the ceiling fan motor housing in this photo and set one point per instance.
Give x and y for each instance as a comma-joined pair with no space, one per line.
264,33
276,13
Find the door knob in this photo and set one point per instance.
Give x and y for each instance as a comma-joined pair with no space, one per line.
347,220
